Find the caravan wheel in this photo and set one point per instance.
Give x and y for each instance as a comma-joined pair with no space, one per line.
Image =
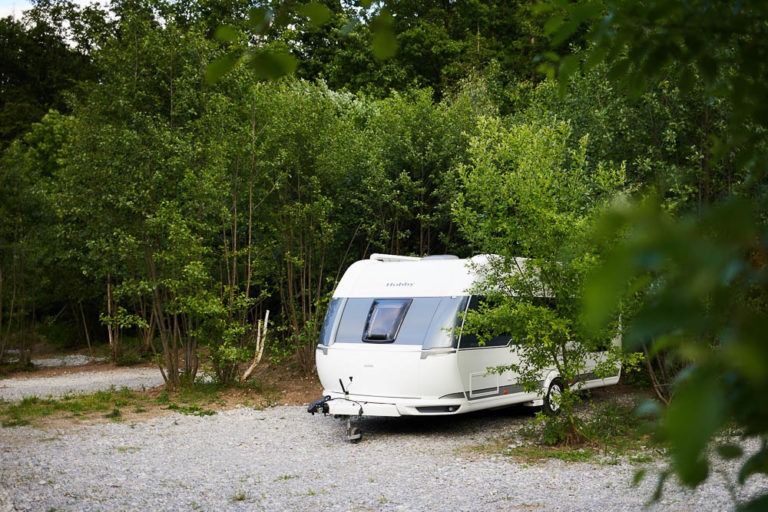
355,435
552,398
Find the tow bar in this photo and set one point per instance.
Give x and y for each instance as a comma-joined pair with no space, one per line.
354,434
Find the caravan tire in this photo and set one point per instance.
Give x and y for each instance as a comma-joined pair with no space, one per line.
355,435
553,397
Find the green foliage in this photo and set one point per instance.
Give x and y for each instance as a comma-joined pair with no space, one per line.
610,430
115,415
180,194
558,430
528,191
168,206
37,66
702,302
171,209
694,273
191,410
378,47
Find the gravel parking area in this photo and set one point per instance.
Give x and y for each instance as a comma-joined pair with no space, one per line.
77,382
283,459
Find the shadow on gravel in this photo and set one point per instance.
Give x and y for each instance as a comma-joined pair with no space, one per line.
460,424
479,422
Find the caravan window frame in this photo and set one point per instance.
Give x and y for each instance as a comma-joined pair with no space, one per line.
430,322
385,318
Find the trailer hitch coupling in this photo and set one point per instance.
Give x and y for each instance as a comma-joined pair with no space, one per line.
319,406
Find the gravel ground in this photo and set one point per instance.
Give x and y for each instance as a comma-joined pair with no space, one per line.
77,382
284,459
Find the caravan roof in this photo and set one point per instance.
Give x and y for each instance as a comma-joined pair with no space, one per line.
384,275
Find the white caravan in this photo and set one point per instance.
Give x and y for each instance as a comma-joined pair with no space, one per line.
392,345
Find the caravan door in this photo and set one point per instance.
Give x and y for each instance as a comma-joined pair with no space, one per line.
477,365
477,362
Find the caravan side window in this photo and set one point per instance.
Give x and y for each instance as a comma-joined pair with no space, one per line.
384,320
331,321
471,340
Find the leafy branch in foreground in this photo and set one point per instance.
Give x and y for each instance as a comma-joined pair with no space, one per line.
700,274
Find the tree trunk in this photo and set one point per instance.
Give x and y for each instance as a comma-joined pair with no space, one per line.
261,336
164,328
86,331
113,330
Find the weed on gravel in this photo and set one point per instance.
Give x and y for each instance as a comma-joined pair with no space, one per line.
118,405
610,433
31,409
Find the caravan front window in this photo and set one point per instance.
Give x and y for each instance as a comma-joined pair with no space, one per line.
426,321
384,320
442,330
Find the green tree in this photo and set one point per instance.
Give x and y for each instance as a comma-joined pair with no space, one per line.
703,271
306,143
44,294
150,194
37,67
414,145
20,208
529,191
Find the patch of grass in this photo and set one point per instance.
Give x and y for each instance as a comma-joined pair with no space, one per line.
269,399
617,430
255,385
114,415
205,392
192,410
164,398
15,423
240,496
127,449
30,409
193,400
7,368
201,399
608,432
533,453
641,458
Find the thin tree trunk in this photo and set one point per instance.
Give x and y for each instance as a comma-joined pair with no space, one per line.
659,384
170,356
86,332
261,336
112,328
2,336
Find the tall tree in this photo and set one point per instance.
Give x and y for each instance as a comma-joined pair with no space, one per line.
529,191
37,67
